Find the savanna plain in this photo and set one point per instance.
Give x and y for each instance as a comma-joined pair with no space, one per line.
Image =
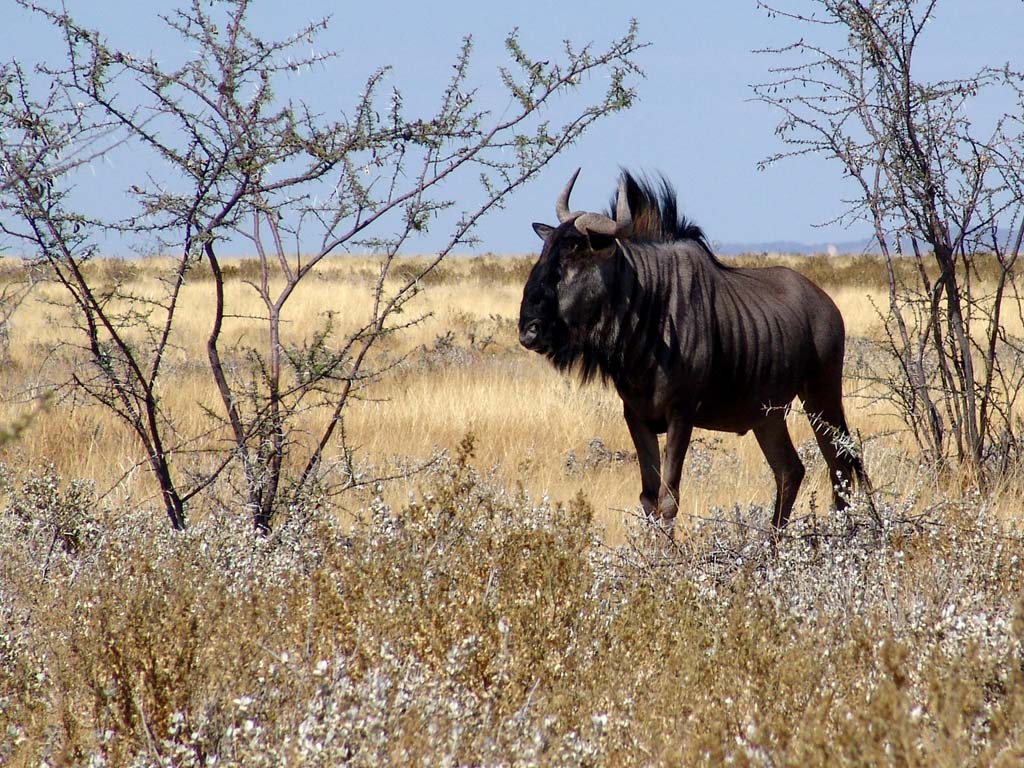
483,592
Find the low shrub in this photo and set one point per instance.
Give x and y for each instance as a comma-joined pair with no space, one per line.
480,626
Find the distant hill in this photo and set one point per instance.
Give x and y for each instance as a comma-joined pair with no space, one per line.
866,245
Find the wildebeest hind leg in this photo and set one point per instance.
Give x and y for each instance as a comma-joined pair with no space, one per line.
773,437
646,441
833,436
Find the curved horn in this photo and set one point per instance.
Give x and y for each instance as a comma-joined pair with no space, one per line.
562,204
600,224
623,216
597,223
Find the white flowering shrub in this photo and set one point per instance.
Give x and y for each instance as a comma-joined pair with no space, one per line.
478,627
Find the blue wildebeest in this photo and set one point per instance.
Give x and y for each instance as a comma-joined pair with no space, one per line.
638,298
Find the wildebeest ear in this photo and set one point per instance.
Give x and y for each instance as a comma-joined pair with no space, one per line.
543,230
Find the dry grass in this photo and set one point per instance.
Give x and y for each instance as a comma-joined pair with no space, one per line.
466,372
501,607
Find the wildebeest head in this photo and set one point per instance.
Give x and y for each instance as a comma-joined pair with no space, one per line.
566,289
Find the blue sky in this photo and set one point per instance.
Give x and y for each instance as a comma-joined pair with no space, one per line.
695,120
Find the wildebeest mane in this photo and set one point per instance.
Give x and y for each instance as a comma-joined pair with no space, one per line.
588,361
624,344
627,344
656,216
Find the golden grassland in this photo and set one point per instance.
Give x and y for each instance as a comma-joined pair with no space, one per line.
464,373
502,606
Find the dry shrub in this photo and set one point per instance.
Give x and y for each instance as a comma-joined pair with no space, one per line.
15,270
866,270
501,269
478,626
250,270
414,269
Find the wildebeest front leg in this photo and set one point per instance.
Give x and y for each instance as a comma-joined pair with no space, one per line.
646,441
777,446
676,442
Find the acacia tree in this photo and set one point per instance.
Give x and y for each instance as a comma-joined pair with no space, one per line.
930,180
295,184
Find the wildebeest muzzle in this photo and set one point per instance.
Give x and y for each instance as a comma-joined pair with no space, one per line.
530,336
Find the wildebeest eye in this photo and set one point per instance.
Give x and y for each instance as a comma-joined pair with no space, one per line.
571,249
